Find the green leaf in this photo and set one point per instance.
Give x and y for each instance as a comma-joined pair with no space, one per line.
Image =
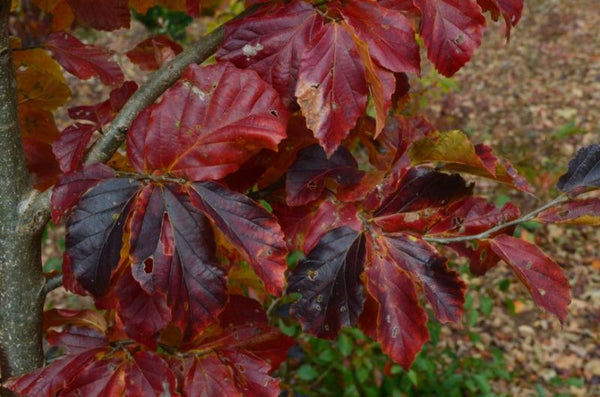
482,382
307,372
53,265
345,344
504,284
567,130
327,356
487,305
362,374
412,376
289,330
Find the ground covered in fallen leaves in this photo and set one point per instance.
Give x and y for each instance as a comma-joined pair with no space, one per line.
536,100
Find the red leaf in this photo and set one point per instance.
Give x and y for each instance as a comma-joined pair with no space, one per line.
192,7
329,281
406,7
305,226
194,275
272,42
307,177
41,163
544,279
76,340
49,380
72,186
401,325
510,10
208,124
248,226
473,215
418,222
69,279
328,216
149,54
95,232
504,171
267,166
388,33
100,378
173,260
251,374
111,15
104,112
236,358
241,314
481,257
206,376
84,61
382,84
142,373
392,144
443,287
452,31
332,87
232,373
424,188
143,314
71,146
149,374
578,212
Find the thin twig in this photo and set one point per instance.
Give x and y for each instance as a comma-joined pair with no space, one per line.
273,306
52,283
483,235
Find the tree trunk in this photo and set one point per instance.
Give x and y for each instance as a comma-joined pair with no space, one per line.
21,277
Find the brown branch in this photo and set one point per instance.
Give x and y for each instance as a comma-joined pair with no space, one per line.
51,284
145,96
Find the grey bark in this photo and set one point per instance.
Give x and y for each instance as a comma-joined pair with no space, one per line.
21,278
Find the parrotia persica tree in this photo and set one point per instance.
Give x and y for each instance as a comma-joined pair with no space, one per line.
293,138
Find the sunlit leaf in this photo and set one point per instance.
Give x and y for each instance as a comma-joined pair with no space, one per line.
454,150
272,42
83,60
388,34
451,30
208,124
332,87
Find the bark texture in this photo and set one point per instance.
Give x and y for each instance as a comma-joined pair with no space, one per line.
21,278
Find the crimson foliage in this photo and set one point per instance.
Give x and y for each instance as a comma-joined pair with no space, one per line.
294,140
